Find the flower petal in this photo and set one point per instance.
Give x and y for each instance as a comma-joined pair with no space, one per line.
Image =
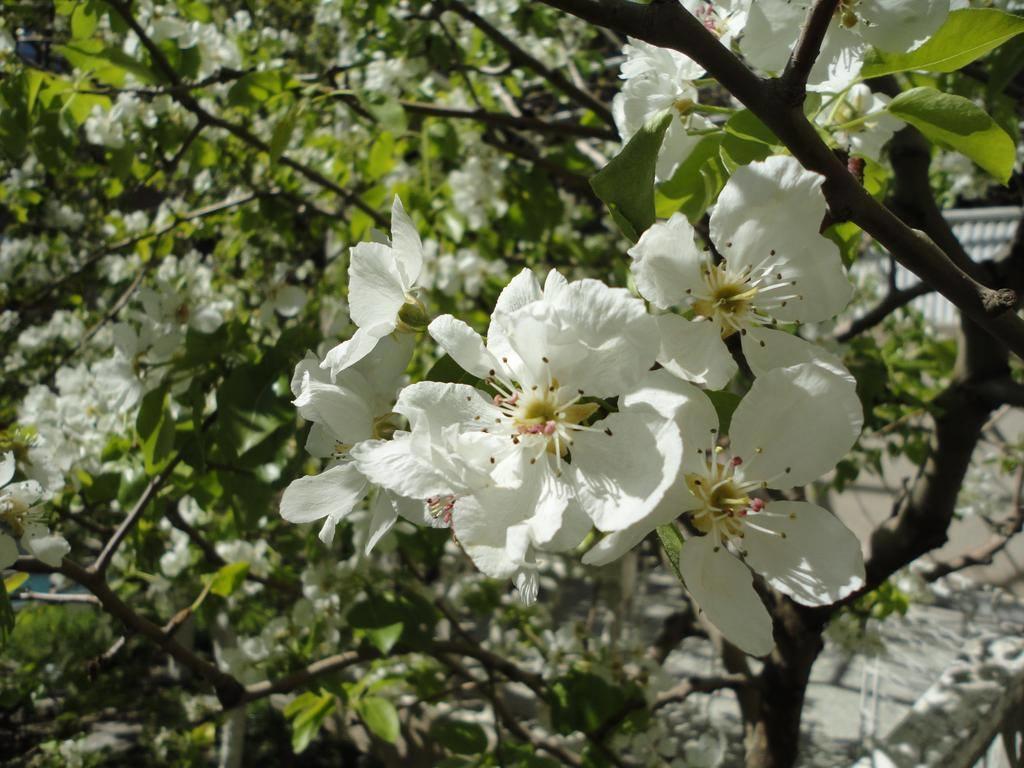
692,410
724,589
896,25
623,473
794,425
521,290
768,209
6,468
433,405
694,350
817,563
677,500
403,465
376,290
772,28
766,349
405,244
383,514
667,262
351,351
334,492
50,548
464,345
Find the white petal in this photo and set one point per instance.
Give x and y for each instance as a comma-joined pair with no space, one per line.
667,262
692,410
772,28
6,468
433,405
481,523
608,340
559,522
464,345
350,352
623,476
771,205
403,465
385,368
723,587
812,276
406,244
896,25
334,492
8,551
50,548
521,290
694,350
819,561
679,141
678,499
320,442
345,414
839,64
766,349
794,425
376,290
383,514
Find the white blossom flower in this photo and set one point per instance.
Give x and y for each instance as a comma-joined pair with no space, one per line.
802,550
21,520
549,356
659,80
870,125
725,19
775,268
354,407
773,26
382,284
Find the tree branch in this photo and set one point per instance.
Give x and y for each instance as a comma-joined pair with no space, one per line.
984,554
183,95
669,25
229,691
893,300
807,48
527,60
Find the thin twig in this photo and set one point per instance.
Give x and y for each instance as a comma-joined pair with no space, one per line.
893,300
807,48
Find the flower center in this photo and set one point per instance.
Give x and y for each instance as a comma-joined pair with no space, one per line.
846,14
725,500
541,419
727,298
440,509
15,515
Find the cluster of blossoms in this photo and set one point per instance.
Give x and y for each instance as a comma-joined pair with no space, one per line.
658,81
578,423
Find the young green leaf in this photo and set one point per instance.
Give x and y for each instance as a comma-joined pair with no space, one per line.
380,717
229,578
967,35
626,184
959,124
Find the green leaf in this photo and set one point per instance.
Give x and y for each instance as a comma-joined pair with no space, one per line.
380,717
584,701
959,124
255,87
968,34
282,133
229,578
155,426
34,79
672,541
460,737
248,410
626,184
83,21
696,182
307,714
107,64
